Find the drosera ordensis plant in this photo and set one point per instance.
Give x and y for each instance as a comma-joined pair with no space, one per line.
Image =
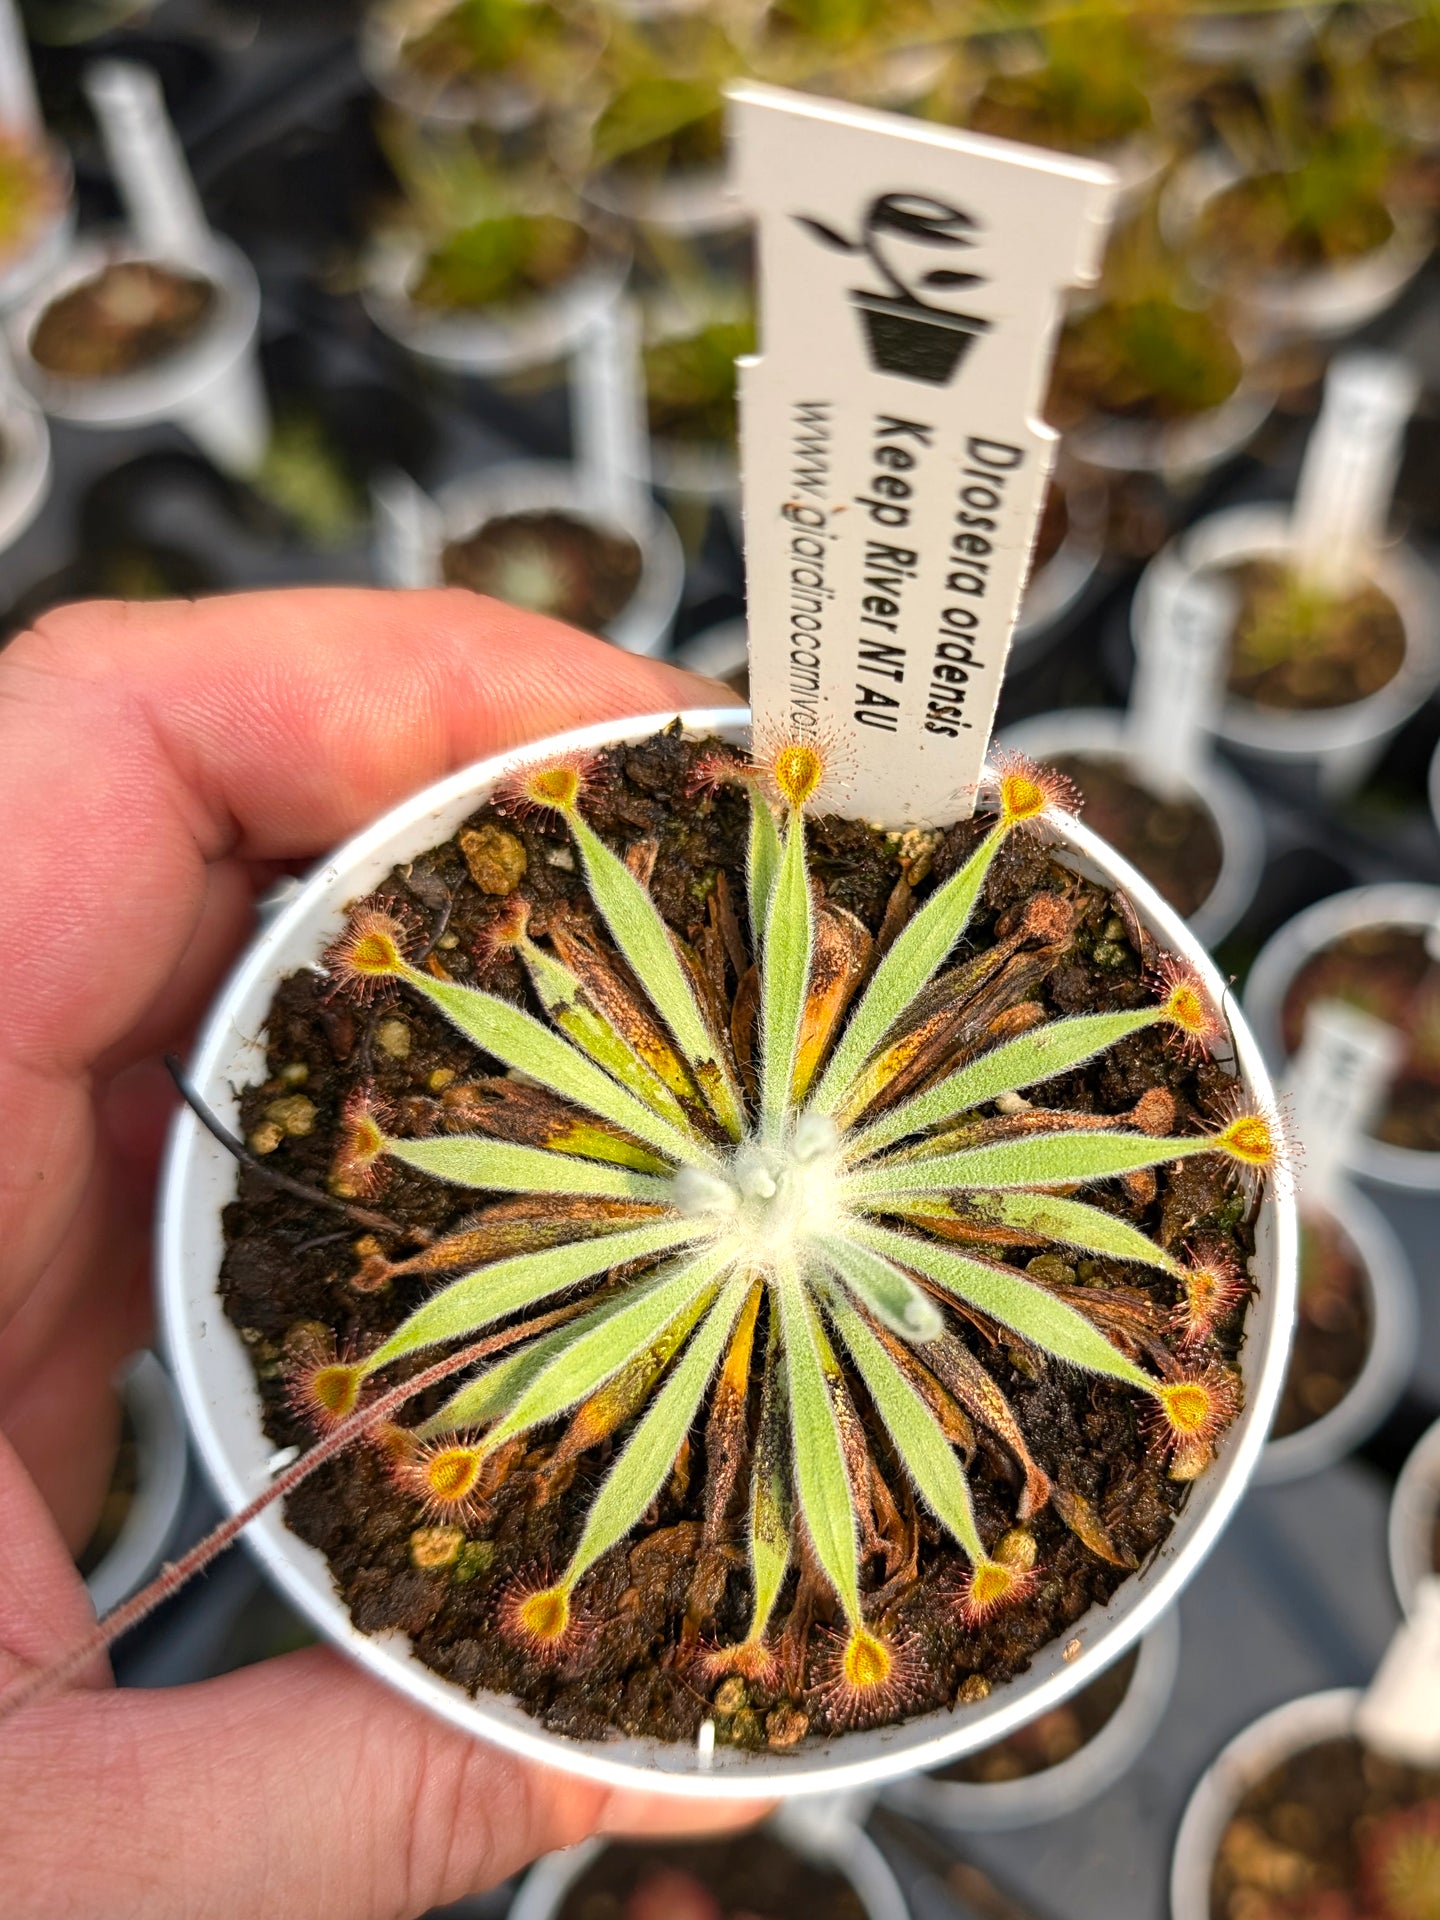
797,1287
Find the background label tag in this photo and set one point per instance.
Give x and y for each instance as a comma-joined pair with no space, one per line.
1341,1070
893,462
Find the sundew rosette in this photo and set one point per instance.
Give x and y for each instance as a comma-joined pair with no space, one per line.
791,1244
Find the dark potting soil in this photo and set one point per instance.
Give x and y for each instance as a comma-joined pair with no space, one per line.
1174,843
1301,648
289,1265
1252,227
1333,1330
1054,1737
1326,1823
548,562
1385,971
1145,360
752,1877
128,316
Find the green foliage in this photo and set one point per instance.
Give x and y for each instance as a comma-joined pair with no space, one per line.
865,1225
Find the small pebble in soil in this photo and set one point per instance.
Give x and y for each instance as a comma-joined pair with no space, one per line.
393,1037
496,858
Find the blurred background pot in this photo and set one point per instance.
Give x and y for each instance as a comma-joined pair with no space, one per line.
159,1468
1415,1519
1335,746
1100,733
1274,974
214,1374
965,1806
25,460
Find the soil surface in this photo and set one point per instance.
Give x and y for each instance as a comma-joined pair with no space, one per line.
548,562
690,383
1174,843
752,1877
1148,360
128,316
1252,227
1056,1736
1301,648
1320,1835
1386,972
291,1264
1333,1331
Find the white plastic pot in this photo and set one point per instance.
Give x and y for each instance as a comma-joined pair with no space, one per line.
643,623
25,462
841,1845
210,385
691,204
488,342
1175,450
1414,1511
217,1384
161,1467
1335,745
1054,588
964,1806
1317,305
502,102
1394,1330
1099,732
1400,904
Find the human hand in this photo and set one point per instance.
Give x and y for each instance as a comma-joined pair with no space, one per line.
160,765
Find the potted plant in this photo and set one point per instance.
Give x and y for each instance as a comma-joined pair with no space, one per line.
539,536
803,1613
1370,946
36,212
1355,1336
693,335
497,63
1148,376
487,271
1320,676
794,1864
651,147
1297,1817
1061,1762
142,1507
1202,848
858,50
1304,219
25,464
1414,1533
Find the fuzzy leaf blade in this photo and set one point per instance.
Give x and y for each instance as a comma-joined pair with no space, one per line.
822,1484
889,1292
1036,1160
499,1166
761,866
1071,1223
784,980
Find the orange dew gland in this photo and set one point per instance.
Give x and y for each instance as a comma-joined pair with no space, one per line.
1250,1138
450,1474
543,1617
798,769
867,1662
1027,790
992,1585
372,947
335,1389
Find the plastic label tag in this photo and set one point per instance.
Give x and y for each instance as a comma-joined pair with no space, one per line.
612,446
893,465
1351,462
1400,1713
1176,692
1336,1082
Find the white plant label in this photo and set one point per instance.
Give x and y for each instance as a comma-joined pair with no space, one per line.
1337,1080
612,445
1179,667
893,462
147,161
19,103
1351,463
1400,1712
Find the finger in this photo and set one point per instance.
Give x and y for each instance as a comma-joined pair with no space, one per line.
139,743
299,1786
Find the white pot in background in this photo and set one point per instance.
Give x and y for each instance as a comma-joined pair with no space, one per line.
643,623
1100,732
1338,744
1394,1316
488,342
217,1385
1054,588
1414,1516
1320,304
25,462
161,1465
695,203
1264,1745
501,102
51,241
1399,904
965,1806
841,1845
1175,450
210,385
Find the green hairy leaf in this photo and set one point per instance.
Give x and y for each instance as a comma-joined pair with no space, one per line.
789,938
762,865
889,1292
771,1511
822,1484
1071,1223
1037,1160
499,1167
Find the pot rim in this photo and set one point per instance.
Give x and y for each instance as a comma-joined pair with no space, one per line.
1264,529
1414,1512
1239,1765
168,387
1229,802
162,1463
212,1368
1389,1361
964,1806
843,1845
1399,903
643,624
26,463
